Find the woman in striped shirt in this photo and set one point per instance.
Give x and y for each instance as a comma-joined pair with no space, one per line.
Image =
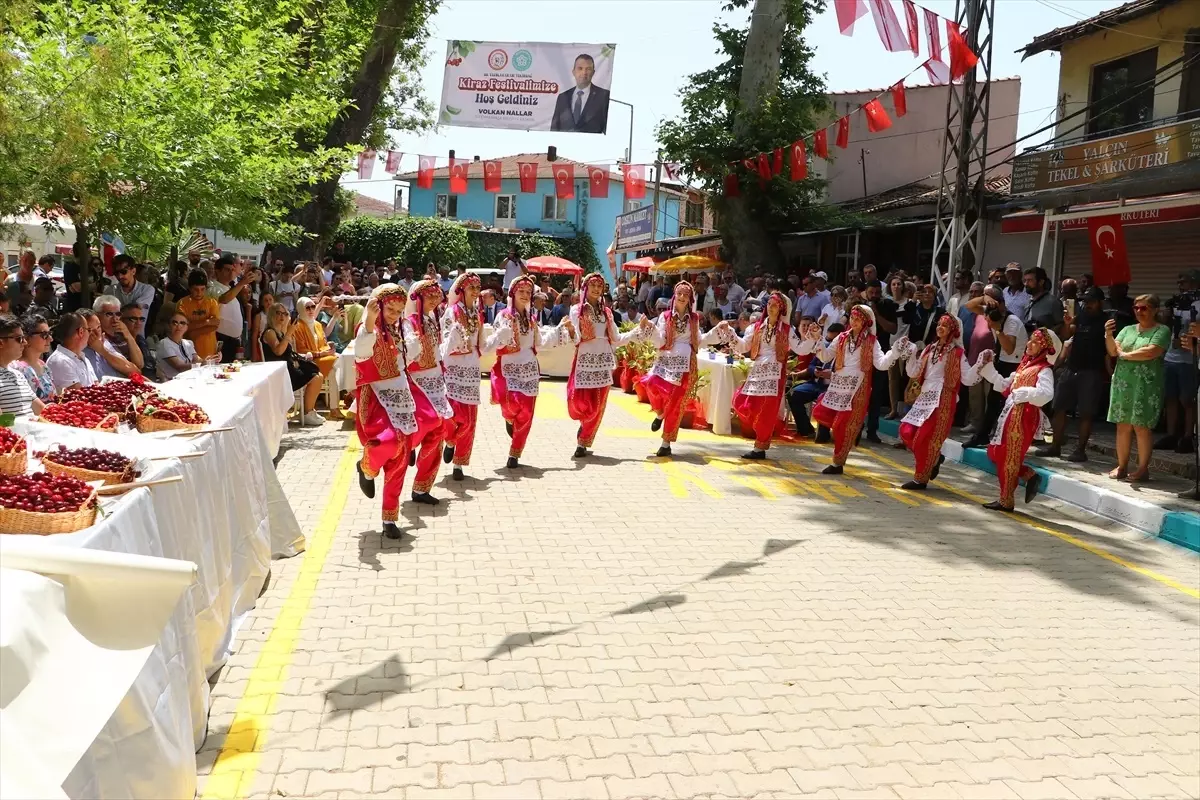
16,395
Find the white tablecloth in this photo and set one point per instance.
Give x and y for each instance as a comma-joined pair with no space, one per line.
717,396
228,516
554,362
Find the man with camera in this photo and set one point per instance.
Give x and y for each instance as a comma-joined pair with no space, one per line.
1010,335
1083,384
1180,369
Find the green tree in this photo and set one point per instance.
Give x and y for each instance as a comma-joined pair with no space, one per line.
761,96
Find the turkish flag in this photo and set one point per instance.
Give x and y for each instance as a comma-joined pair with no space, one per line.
731,185
458,176
910,23
877,119
962,57
635,181
598,181
764,168
821,144
527,170
899,100
425,166
848,12
1110,259
799,161
564,181
366,164
843,133
491,176
393,161
888,27
777,166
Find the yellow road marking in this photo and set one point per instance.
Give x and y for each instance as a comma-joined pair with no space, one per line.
680,475
233,773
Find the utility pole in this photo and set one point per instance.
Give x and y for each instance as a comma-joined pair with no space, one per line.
862,159
657,187
958,233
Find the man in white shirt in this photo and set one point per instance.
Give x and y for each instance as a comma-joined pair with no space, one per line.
284,289
67,365
962,292
1016,299
225,289
734,294
513,267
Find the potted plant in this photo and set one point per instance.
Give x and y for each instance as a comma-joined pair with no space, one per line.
693,411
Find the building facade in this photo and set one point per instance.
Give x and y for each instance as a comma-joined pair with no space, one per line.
541,211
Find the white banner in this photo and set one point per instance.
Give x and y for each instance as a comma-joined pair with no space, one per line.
527,86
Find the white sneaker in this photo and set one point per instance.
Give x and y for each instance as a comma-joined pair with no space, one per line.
313,418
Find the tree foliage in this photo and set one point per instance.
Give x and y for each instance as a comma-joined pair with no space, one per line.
716,129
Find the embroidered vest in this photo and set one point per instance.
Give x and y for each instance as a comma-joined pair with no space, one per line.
783,333
427,359
587,323
384,362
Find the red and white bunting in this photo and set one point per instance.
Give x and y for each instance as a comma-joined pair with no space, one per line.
911,28
799,160
598,181
366,164
877,118
849,12
843,132
731,185
777,164
888,26
564,181
672,172
899,101
458,176
962,57
392,164
491,176
821,144
635,181
527,171
425,165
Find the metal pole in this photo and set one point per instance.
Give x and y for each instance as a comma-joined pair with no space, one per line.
1045,231
628,152
657,186
863,160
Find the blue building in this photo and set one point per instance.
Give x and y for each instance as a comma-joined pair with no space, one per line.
541,211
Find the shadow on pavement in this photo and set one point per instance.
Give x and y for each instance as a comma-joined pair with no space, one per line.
385,679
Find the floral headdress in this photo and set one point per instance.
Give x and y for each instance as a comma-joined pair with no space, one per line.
458,288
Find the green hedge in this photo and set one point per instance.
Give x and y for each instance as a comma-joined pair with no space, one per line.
419,240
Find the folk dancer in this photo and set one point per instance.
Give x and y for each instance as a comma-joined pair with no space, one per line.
386,414
1022,420
677,336
423,342
769,343
941,368
594,364
463,344
516,375
854,353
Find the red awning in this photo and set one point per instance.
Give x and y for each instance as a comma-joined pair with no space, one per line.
1131,214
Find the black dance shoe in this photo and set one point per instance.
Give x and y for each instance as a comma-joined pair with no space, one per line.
914,486
412,458
664,451
447,454
508,428
425,499
458,474
755,455
832,469
391,530
656,425
1032,487
937,468
366,485
512,463
581,452
996,505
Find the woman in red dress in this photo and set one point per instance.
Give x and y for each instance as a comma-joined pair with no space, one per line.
769,343
423,343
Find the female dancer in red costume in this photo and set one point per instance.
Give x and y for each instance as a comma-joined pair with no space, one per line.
1029,388
677,336
386,412
941,368
423,342
594,364
769,343
463,344
855,353
516,375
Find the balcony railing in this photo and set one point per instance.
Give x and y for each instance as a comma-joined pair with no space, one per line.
1055,144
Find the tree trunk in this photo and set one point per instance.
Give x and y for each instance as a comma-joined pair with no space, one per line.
750,242
319,217
82,251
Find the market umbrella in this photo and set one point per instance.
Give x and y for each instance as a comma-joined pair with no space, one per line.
679,264
553,265
640,265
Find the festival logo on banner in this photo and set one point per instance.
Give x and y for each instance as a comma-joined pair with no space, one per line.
527,86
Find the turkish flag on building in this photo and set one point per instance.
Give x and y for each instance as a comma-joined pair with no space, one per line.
564,181
527,171
899,101
491,176
821,144
366,164
393,161
877,119
598,181
1110,259
635,181
425,166
458,176
843,133
798,159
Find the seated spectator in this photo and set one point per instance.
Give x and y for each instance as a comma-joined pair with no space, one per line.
45,301
30,364
624,310
277,346
491,306
723,303
711,319
16,395
816,381
308,340
834,312
119,353
202,313
67,364
175,353
562,309
135,319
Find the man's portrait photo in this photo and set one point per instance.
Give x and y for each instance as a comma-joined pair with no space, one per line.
584,107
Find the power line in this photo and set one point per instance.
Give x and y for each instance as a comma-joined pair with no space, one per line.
1071,14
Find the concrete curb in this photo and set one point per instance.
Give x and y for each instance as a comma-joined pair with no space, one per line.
1178,527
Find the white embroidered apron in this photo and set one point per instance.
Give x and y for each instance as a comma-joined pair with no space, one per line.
432,384
842,388
395,396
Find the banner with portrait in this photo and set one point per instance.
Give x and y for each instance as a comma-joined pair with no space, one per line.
527,86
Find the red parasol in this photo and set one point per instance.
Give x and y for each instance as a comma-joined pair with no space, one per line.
640,265
553,265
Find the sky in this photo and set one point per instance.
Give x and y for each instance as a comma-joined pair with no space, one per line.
661,42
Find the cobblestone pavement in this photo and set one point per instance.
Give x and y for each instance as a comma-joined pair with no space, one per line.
621,627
